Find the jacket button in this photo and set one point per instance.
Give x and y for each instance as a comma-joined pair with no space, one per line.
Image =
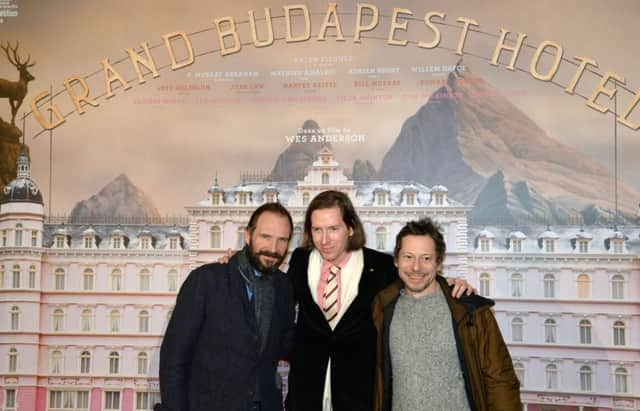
250,393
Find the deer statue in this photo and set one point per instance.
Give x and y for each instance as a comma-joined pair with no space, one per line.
15,90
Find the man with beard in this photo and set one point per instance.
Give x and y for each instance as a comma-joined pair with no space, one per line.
231,324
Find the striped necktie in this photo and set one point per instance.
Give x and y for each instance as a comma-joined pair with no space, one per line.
330,296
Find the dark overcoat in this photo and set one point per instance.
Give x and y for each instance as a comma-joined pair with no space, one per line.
351,345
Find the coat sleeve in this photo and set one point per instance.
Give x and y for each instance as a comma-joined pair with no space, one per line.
502,386
178,345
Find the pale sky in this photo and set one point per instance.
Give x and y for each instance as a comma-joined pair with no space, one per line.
173,150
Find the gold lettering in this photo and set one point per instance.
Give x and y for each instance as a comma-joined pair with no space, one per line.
59,119
584,61
623,119
77,98
136,59
111,75
514,49
331,11
307,23
435,29
372,24
226,33
533,69
395,25
254,31
601,89
465,29
168,38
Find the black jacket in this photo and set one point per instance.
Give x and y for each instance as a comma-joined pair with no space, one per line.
212,356
351,345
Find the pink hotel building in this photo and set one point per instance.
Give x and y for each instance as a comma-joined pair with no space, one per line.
83,308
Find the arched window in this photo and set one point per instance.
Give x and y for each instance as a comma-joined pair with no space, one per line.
517,328
325,178
114,321
13,360
85,362
87,280
485,285
586,376
15,283
56,362
549,286
114,362
143,321
584,286
116,280
14,315
18,237
551,377
59,279
86,320
585,332
143,362
215,237
381,238
550,335
58,319
172,280
305,198
619,333
32,276
621,380
144,280
240,237
517,285
617,287
518,367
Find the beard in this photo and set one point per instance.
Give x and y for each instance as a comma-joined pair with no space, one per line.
254,259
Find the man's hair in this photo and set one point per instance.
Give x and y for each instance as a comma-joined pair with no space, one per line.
275,208
331,199
426,227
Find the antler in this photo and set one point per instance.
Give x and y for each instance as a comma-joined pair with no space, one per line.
16,61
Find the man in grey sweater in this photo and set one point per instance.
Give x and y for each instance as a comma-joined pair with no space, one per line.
435,352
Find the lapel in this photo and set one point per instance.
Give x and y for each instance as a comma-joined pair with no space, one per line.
238,288
265,300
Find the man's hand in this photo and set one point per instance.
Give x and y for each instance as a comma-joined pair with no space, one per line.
460,287
225,258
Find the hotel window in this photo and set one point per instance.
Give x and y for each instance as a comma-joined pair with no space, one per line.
516,245
116,242
114,362
15,283
112,400
18,235
144,280
618,247
485,285
215,237
85,362
145,242
32,276
485,245
34,238
14,315
270,197
517,285
517,328
621,380
143,362
146,400
410,198
10,400
60,241
584,286
583,246
551,377
325,178
56,362
172,280
242,198
585,332
114,321
143,321
305,198
215,199
4,238
518,367
549,245
381,238
58,319
116,280
381,198
549,286
617,287
88,242
619,333
173,243
87,280
439,199
13,360
586,377
59,278
86,320
550,331
240,238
